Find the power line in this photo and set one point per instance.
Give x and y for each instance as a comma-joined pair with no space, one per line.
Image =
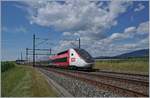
40,49
41,42
79,41
34,49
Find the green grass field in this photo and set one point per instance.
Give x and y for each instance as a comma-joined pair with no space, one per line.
24,81
7,65
132,65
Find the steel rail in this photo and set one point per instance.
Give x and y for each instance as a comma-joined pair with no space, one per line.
123,73
109,87
146,83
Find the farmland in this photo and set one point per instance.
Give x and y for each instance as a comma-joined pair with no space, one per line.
132,65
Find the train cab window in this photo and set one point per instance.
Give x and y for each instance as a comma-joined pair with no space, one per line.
71,54
85,55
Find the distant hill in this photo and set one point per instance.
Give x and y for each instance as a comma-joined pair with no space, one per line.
137,53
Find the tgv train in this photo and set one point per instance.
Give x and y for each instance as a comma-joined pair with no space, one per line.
73,58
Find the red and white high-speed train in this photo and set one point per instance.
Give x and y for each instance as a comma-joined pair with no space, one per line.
73,58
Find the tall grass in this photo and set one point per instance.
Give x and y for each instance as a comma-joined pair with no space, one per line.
25,81
6,66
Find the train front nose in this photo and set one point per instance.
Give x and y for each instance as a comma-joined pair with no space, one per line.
89,65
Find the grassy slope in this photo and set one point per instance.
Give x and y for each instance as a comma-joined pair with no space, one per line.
135,65
24,81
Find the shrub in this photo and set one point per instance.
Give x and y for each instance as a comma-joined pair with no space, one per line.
6,65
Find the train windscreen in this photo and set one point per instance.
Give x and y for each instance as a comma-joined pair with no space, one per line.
85,55
62,52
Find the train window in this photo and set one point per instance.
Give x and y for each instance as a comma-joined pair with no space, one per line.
84,54
60,60
71,54
62,52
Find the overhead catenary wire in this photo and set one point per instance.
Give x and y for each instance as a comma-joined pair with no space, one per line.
34,49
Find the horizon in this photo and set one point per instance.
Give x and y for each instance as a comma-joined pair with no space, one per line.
96,56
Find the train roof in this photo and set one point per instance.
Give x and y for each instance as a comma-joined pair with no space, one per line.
62,52
67,50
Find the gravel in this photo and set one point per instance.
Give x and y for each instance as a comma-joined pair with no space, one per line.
77,87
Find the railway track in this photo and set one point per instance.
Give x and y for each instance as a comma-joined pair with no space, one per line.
122,73
136,78
142,77
131,87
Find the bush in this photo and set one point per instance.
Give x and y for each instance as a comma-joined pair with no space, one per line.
6,65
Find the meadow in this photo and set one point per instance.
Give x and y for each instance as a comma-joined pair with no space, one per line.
7,65
24,81
131,65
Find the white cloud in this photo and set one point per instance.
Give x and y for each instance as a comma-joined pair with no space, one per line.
139,8
141,44
79,16
85,19
128,33
108,46
66,33
143,28
20,29
130,30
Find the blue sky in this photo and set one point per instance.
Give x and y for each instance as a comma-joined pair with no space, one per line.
105,28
